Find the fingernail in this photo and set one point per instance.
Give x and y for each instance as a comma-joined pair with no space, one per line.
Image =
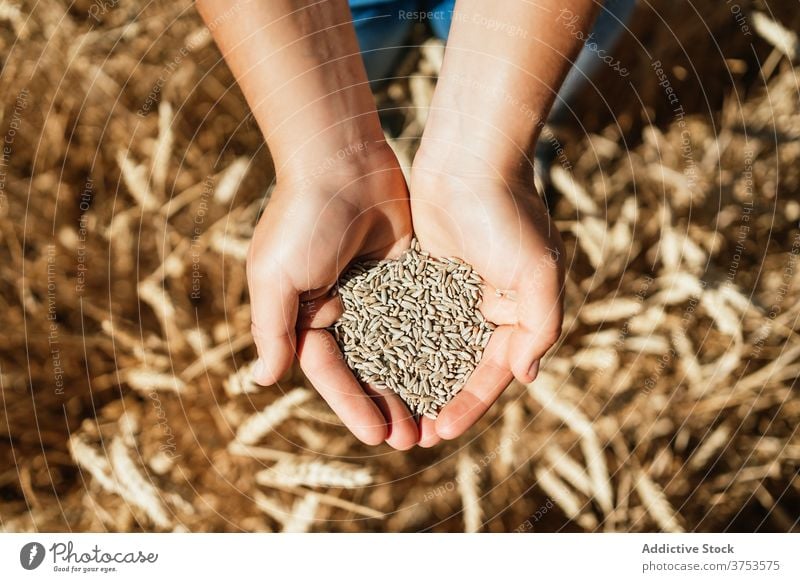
258,370
533,371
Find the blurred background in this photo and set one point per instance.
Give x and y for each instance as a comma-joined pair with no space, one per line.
130,179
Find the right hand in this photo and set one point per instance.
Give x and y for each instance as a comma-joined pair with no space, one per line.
312,229
492,218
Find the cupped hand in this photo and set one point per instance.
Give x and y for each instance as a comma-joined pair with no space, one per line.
494,220
355,207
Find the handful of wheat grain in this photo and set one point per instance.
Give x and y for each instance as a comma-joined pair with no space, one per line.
412,325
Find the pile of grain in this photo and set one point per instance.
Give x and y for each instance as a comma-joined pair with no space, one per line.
413,325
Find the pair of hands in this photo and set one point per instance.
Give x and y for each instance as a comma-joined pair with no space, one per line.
360,207
341,195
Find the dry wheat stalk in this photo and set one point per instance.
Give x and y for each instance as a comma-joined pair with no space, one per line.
568,468
241,381
709,447
258,425
303,513
155,295
162,148
688,360
591,234
467,479
647,344
542,390
87,457
604,359
772,372
334,501
777,35
648,322
610,310
656,503
230,180
569,503
215,355
265,454
12,14
146,380
620,186
135,178
573,192
226,243
513,414
134,488
275,509
433,55
314,474
725,318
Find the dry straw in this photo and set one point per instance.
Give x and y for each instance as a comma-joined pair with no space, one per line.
302,516
255,427
287,472
467,478
715,439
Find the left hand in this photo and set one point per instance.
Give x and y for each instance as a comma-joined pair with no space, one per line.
495,221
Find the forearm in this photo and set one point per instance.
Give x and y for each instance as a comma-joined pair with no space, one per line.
504,64
298,65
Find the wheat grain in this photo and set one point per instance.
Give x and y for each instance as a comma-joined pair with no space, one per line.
412,325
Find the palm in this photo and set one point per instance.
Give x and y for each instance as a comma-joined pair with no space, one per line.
503,230
305,239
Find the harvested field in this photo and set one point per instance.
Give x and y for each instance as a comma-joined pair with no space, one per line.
130,181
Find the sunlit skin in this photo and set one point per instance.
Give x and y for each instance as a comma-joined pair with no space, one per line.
340,194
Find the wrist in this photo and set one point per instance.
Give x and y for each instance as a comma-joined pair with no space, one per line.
473,159
499,144
333,158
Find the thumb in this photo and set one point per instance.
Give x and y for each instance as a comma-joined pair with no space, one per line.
274,305
539,319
